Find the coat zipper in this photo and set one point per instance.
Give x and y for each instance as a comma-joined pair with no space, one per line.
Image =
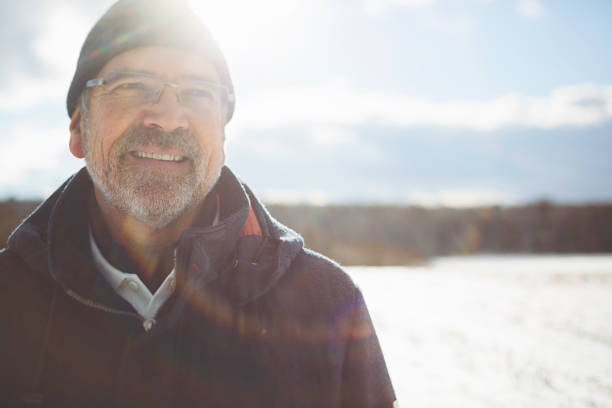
98,306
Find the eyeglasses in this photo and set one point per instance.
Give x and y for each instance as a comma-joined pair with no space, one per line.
131,89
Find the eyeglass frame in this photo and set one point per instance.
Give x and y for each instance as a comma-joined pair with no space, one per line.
226,95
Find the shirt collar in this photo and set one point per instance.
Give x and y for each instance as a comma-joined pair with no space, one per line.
112,275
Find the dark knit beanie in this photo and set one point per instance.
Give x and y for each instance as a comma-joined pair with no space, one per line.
130,24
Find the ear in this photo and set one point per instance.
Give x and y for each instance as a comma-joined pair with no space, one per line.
222,149
76,134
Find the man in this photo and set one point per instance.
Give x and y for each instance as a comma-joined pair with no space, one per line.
154,277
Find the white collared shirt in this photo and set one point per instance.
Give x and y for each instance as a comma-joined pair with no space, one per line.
131,289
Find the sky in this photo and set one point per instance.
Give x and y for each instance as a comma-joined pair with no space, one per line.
425,102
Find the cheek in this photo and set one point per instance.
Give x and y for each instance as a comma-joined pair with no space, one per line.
218,151
98,144
211,139
213,147
104,134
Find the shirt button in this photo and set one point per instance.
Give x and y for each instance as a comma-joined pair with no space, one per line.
133,285
148,324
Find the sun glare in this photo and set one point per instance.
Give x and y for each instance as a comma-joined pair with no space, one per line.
238,24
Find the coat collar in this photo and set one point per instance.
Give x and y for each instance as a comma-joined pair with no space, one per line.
245,253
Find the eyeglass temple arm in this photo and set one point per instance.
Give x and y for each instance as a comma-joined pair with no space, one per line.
94,82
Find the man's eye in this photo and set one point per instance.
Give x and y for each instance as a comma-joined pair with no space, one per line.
130,86
198,93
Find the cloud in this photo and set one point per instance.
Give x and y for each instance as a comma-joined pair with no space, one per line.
337,104
41,47
34,160
451,25
59,39
529,8
17,22
25,92
296,196
460,197
52,52
377,7
326,136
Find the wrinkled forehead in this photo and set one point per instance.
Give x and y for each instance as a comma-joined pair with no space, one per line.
171,64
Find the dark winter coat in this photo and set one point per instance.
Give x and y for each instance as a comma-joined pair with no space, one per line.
256,319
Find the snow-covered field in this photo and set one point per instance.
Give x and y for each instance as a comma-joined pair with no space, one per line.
496,331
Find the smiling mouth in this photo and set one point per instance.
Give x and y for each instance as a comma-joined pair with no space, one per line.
158,156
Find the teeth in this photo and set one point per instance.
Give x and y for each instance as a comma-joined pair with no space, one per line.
164,157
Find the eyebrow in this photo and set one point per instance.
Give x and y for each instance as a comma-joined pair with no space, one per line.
200,78
126,73
121,74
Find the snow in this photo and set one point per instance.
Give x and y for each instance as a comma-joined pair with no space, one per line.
496,331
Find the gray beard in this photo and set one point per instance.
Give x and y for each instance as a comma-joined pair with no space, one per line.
155,198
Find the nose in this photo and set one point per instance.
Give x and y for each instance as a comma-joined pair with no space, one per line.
167,113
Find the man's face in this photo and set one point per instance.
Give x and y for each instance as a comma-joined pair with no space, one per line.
157,160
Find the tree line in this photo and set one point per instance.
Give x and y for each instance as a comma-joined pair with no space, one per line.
396,235
403,235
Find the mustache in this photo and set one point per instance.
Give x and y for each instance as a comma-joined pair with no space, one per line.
179,139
